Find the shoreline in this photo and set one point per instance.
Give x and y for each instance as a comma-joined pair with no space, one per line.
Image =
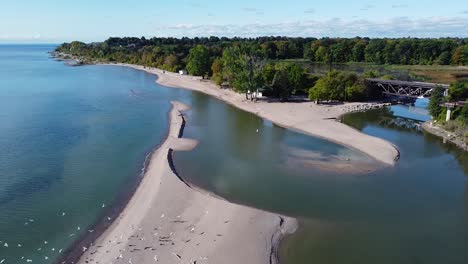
435,130
305,117
166,221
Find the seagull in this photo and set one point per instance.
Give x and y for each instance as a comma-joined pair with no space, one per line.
156,258
108,218
257,130
19,245
31,220
63,214
53,249
5,245
84,249
29,260
162,216
1,261
60,250
46,257
45,242
78,228
103,205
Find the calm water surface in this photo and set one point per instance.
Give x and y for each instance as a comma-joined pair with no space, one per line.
74,138
71,140
415,212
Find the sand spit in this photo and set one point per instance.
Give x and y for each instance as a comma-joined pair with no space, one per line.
166,221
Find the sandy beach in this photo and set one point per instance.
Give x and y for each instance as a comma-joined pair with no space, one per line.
307,117
166,221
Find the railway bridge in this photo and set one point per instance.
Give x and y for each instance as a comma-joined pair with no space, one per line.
407,89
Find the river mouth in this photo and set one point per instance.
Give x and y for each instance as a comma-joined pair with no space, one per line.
349,211
348,208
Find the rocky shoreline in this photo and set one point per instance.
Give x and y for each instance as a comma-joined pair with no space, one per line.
362,107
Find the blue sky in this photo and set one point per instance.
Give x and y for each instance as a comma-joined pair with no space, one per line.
94,20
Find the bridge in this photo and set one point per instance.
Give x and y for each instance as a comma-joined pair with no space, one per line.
407,89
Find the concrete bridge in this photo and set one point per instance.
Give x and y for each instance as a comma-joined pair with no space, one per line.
407,89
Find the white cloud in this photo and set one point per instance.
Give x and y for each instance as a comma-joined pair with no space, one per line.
395,27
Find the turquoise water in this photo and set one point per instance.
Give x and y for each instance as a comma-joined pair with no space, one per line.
72,139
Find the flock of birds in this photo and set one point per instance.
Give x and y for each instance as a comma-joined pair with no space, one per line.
44,246
126,251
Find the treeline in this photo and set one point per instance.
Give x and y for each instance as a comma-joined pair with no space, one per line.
250,65
171,53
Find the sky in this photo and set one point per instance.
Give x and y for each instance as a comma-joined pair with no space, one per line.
56,21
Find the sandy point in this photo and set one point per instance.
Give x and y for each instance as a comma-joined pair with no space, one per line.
166,221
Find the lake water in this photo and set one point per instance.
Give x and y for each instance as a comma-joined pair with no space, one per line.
72,139
75,138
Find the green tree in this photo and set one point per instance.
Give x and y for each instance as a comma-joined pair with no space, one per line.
358,51
330,87
435,100
199,61
281,86
296,77
458,91
217,70
248,78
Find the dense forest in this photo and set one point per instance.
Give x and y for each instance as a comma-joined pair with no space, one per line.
172,52
252,64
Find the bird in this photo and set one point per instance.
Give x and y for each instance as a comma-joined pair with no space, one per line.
29,260
63,214
5,245
103,205
1,261
257,130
